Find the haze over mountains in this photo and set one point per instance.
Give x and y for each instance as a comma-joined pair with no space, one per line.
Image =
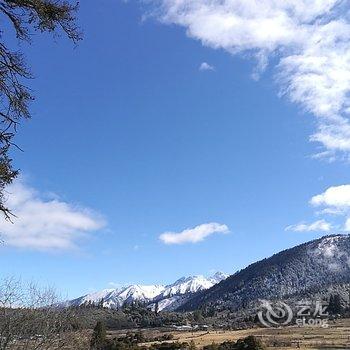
167,297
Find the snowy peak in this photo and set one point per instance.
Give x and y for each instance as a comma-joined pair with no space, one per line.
192,284
218,277
95,297
187,285
164,295
115,298
140,293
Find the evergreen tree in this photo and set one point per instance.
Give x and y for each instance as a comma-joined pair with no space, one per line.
335,306
156,308
23,18
98,339
198,316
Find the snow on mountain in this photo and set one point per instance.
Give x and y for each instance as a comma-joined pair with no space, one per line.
218,277
191,284
169,304
114,298
140,293
309,270
177,293
97,296
167,297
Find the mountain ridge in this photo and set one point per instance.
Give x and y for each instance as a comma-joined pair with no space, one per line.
166,296
314,265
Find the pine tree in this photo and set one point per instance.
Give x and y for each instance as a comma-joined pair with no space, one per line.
98,339
23,18
198,316
334,306
156,308
100,304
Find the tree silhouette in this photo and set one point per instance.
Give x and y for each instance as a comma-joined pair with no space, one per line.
335,306
24,17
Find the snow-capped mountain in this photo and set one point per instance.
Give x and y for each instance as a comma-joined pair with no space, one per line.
177,293
218,277
167,297
140,293
191,284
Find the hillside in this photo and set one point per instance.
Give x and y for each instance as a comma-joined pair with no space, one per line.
309,268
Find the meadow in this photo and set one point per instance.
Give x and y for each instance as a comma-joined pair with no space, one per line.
336,336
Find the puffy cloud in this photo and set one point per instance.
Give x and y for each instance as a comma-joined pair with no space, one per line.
193,235
206,66
45,224
334,201
309,40
319,225
336,198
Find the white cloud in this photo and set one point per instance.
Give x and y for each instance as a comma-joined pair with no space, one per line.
309,40
193,235
206,66
335,199
45,224
319,225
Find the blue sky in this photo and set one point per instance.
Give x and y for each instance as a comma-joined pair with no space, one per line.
129,126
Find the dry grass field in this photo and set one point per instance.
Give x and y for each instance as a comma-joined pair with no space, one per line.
336,336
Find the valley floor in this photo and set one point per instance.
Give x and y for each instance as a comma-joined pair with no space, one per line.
336,336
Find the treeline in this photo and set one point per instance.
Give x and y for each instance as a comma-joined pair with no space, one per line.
138,315
133,341
134,315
